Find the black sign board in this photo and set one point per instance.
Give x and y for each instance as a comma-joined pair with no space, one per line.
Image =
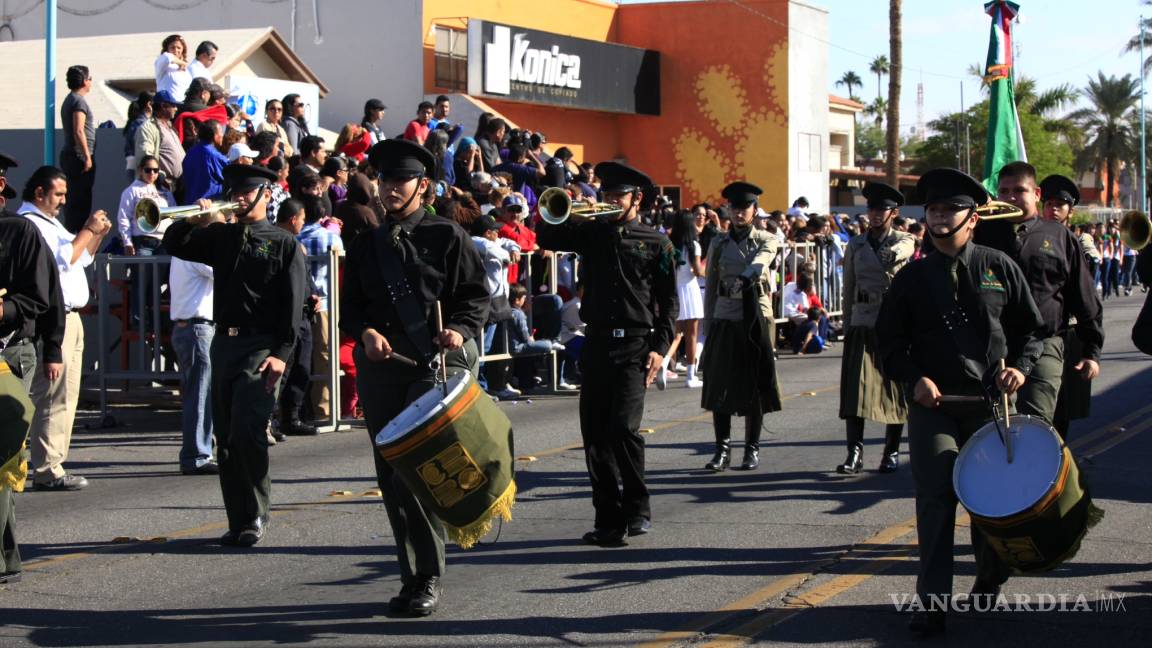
518,64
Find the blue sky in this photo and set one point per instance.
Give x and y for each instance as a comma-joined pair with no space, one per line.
1058,41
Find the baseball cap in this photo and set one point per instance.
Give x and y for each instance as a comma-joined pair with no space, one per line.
239,150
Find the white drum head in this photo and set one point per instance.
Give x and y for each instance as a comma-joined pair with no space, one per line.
988,486
422,410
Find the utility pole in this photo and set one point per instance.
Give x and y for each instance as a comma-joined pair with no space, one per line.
50,82
1143,144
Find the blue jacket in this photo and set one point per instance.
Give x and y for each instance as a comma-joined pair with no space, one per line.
203,173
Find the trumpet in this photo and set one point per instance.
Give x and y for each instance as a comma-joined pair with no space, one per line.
996,210
1135,229
556,206
149,213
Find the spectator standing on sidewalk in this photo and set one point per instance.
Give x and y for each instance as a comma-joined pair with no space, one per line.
78,157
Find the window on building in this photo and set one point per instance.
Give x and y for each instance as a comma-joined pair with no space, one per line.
451,56
809,146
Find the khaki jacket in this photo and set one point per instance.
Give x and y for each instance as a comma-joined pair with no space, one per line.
868,273
749,258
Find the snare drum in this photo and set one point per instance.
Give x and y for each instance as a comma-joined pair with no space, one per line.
455,453
1033,511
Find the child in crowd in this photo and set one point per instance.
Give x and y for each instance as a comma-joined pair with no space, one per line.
521,338
807,338
572,337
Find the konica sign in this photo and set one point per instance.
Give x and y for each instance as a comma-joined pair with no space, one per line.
520,64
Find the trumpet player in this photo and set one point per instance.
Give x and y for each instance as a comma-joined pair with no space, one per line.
259,281
1058,277
630,308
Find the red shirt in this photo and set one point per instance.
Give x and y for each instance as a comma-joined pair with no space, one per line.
416,132
523,237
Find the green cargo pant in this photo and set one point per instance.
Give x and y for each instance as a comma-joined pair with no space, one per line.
1040,391
935,437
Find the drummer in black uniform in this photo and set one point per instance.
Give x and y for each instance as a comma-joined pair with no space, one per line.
260,279
1057,272
393,278
944,326
1060,196
629,307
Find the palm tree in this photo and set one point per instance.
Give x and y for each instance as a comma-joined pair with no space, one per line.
850,79
878,109
1134,42
879,67
1109,127
895,50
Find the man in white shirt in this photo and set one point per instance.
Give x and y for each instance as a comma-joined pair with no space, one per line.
205,57
56,390
497,254
192,333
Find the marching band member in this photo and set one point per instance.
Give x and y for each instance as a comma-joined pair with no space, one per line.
259,279
943,327
870,261
739,365
1057,273
393,277
629,308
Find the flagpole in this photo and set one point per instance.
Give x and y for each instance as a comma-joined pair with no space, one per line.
1143,146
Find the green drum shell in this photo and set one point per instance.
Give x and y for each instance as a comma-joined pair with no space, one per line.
464,462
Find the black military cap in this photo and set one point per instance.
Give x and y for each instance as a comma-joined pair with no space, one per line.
741,194
397,158
882,196
616,177
1060,188
7,162
241,178
483,224
951,187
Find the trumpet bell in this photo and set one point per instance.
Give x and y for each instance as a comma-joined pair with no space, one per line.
1135,229
996,209
555,205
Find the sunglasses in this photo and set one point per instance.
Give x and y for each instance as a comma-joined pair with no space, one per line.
150,170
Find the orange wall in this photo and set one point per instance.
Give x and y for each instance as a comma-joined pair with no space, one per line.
724,84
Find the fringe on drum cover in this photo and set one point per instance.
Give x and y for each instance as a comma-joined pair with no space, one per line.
467,536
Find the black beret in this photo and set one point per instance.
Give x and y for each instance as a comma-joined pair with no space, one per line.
882,196
616,177
7,162
397,158
951,187
239,178
1060,188
741,194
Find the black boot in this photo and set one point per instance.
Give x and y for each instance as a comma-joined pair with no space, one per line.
855,460
890,462
752,425
723,457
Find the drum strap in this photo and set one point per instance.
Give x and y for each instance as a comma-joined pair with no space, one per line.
964,335
389,242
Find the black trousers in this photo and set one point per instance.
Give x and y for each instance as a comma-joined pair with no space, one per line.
79,205
611,406
241,407
418,533
298,378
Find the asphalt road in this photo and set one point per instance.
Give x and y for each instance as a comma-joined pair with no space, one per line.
789,554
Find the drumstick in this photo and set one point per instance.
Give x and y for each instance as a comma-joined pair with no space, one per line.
1007,419
961,399
443,365
402,358
3,291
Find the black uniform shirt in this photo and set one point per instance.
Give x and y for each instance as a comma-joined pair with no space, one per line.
990,309
260,277
629,275
440,262
1053,264
34,306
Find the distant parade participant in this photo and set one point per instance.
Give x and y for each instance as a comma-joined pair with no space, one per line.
29,293
1057,273
738,361
1060,196
393,278
943,328
630,308
259,280
871,260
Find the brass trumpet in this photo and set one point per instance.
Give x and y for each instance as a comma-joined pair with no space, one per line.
149,213
996,210
556,206
1135,229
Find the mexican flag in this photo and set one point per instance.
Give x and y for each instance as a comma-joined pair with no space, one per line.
1005,141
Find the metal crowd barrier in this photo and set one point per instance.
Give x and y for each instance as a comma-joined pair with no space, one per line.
145,326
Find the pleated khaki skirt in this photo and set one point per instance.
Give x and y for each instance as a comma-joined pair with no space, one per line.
864,391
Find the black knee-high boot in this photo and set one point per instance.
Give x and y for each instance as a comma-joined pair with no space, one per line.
890,462
854,426
722,424
752,425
